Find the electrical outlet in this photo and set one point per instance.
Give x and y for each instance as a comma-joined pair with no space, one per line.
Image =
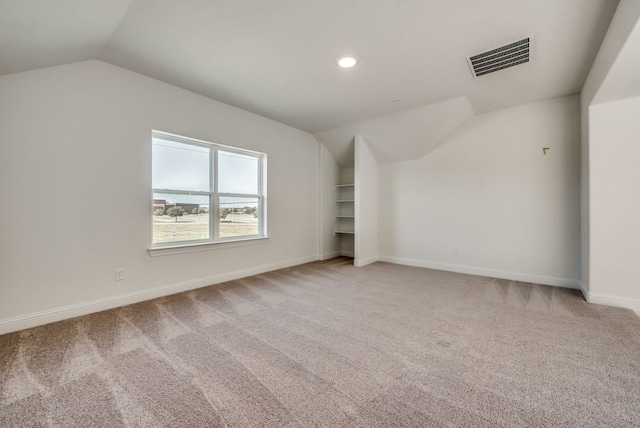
119,276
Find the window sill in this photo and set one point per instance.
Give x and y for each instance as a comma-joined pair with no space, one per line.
205,246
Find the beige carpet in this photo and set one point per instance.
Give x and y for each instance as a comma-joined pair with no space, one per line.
328,344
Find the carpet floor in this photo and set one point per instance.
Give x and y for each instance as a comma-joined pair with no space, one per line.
328,344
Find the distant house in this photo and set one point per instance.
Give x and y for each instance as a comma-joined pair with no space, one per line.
159,203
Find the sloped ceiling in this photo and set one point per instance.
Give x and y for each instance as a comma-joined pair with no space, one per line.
401,136
41,33
277,58
622,80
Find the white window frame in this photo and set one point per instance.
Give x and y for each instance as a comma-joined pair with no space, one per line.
214,196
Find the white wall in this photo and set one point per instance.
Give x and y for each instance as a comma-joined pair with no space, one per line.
585,240
488,201
614,72
614,203
366,205
347,246
75,179
329,177
347,176
624,21
622,25
605,129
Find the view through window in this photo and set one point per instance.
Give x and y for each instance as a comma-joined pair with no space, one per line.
204,192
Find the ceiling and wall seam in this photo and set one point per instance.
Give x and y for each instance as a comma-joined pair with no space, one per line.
243,53
101,55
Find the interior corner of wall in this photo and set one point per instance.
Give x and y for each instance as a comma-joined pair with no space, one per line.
452,135
584,288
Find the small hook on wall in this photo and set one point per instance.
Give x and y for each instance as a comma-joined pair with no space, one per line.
545,150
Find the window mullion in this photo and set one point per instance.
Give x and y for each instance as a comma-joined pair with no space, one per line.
261,216
215,212
240,195
180,192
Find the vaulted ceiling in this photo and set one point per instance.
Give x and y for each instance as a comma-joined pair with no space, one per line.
277,58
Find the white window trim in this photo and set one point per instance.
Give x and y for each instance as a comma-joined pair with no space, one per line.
195,246
214,240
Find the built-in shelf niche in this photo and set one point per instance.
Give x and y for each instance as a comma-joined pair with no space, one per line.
345,210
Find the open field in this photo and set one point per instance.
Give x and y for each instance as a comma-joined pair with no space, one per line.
196,226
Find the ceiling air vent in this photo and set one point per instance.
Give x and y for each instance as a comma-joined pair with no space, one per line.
502,57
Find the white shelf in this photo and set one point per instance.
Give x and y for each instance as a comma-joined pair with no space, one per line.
345,218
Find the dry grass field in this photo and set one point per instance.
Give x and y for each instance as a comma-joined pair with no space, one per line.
196,226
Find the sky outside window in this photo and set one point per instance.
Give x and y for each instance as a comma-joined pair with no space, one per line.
237,173
179,166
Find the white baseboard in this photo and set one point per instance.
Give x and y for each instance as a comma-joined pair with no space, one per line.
471,270
331,255
617,301
364,262
21,322
585,292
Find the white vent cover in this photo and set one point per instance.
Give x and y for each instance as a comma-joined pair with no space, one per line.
509,55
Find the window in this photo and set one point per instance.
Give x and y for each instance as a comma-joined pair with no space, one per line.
205,192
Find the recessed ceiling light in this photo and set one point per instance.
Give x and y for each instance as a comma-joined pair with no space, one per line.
347,62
